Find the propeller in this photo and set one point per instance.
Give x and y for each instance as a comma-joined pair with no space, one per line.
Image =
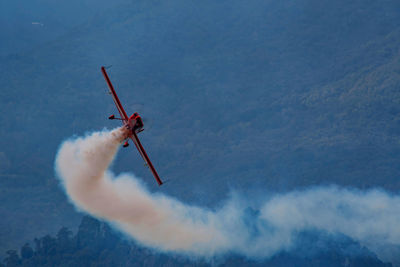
141,109
147,123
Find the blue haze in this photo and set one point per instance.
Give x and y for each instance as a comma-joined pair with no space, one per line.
260,96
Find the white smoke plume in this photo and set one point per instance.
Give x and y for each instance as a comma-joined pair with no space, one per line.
156,220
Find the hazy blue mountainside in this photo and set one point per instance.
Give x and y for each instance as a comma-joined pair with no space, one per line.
259,95
96,244
25,25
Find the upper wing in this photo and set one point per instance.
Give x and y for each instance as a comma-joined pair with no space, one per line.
146,159
115,97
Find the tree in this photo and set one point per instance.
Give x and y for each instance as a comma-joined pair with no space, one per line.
12,259
64,240
26,251
49,245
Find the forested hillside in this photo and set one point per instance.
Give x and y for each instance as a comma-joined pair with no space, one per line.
262,96
27,25
96,244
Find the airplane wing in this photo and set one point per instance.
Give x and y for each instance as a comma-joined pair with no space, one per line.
121,110
146,159
125,119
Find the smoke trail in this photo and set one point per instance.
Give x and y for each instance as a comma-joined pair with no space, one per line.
156,221
371,218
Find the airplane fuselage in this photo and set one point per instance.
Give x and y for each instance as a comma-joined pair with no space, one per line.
135,123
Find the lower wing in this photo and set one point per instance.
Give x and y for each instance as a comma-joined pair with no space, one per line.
146,159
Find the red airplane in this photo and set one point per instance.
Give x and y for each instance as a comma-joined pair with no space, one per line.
134,123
